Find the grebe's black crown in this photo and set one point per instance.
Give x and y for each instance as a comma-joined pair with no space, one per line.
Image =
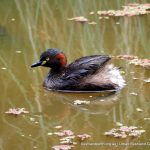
52,52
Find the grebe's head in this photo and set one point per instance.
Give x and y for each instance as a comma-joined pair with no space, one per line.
52,58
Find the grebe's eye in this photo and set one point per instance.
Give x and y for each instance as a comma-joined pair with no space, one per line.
47,59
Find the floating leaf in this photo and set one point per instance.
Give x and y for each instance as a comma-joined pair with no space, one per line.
35,147
129,10
125,129
124,132
117,22
126,57
136,133
18,52
92,13
146,118
139,109
142,131
119,124
92,23
140,62
13,19
64,133
79,102
106,17
67,140
17,111
133,93
133,127
59,133
147,80
134,60
68,132
32,119
49,133
3,68
100,18
120,135
79,19
58,127
62,147
83,136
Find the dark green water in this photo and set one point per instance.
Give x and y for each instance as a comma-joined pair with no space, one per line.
27,28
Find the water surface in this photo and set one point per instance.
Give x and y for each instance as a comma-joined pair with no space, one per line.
29,27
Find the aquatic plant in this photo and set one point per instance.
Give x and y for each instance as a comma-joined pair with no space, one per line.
135,60
17,111
132,9
124,132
